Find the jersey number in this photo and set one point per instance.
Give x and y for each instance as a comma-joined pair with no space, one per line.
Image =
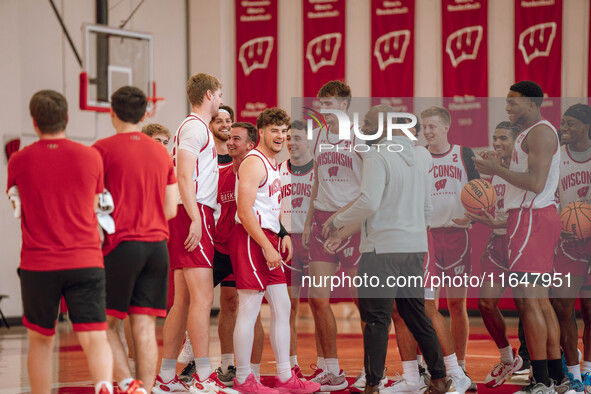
455,158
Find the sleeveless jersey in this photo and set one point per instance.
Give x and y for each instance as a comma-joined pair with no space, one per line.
449,175
519,198
267,205
296,191
205,174
500,186
575,179
227,203
339,171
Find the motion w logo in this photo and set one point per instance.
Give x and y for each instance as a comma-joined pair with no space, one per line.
255,53
391,48
323,51
536,41
297,202
463,44
333,171
440,184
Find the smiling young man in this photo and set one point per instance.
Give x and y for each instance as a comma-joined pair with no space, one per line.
337,178
256,258
220,128
452,169
572,255
533,228
297,177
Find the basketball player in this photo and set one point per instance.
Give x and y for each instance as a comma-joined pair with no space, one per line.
255,254
573,256
242,139
220,128
452,169
157,132
136,256
392,242
337,178
191,240
495,262
61,253
533,228
297,177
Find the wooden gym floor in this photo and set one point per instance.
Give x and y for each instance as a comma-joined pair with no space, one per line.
71,373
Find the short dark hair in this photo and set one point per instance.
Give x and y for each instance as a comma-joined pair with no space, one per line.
229,110
50,111
129,104
513,128
273,116
336,89
298,124
531,90
251,130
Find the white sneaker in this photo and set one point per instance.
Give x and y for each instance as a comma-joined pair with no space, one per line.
331,382
402,386
210,385
460,383
502,371
174,386
186,355
359,385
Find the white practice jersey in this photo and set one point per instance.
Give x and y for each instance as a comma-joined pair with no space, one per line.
519,198
500,186
194,136
296,190
339,171
575,179
449,175
267,205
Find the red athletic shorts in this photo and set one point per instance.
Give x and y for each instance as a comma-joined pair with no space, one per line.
248,260
451,247
202,256
532,236
574,257
298,265
494,261
347,254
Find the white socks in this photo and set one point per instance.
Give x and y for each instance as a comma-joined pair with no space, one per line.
575,370
332,365
203,367
451,365
410,372
227,360
293,361
167,369
506,354
320,363
124,384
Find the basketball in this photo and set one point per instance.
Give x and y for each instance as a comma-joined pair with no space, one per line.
576,219
478,194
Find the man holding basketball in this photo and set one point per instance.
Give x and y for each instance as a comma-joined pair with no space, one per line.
573,256
533,226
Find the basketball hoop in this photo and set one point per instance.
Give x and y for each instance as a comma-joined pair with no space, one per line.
154,100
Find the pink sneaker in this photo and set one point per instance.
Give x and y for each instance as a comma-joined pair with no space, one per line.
296,386
252,386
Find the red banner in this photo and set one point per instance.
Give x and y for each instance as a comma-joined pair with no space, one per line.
324,43
465,70
393,52
256,58
538,50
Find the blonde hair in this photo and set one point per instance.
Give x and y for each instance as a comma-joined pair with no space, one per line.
153,129
437,111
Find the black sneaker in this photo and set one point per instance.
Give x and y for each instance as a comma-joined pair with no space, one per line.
187,372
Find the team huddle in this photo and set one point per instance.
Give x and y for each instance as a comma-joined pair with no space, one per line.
220,209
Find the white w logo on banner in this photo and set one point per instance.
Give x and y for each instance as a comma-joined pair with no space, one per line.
391,48
255,53
323,51
463,44
536,41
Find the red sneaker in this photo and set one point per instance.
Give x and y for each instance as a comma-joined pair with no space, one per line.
295,385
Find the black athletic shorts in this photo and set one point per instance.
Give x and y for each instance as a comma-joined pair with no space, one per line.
222,268
137,279
83,290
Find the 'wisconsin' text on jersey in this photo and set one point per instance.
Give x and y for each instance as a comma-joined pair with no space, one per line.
335,158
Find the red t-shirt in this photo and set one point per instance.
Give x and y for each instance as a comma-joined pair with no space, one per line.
57,182
227,199
137,171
